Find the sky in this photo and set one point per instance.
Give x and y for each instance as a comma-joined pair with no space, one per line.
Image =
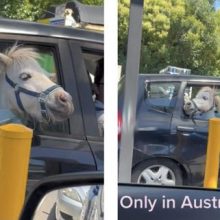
217,4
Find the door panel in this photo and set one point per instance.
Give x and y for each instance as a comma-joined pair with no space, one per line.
156,103
65,149
190,133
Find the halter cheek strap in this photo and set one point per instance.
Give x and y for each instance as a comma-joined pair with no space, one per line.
41,96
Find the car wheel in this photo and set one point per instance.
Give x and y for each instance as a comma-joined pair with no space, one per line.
52,214
158,172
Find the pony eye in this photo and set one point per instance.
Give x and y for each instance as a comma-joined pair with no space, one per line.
205,97
24,76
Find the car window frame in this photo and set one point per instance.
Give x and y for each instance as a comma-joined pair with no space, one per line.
62,54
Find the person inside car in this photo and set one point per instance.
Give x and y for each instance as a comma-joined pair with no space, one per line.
99,95
97,88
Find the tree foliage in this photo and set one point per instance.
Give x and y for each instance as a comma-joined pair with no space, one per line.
93,2
32,9
175,32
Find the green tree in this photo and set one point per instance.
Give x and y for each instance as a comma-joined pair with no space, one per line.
217,34
195,44
123,9
175,32
32,9
92,2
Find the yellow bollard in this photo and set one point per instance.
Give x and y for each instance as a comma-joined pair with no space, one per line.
15,143
212,156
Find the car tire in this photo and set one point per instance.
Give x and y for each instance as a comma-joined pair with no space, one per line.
157,172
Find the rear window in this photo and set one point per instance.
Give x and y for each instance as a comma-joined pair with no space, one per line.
162,95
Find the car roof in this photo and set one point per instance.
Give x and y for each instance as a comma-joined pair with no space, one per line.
167,77
36,29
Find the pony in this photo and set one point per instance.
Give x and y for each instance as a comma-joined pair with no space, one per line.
205,101
27,91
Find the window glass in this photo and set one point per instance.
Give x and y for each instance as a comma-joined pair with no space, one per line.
162,96
47,62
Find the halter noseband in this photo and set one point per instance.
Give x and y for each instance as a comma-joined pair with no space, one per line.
40,95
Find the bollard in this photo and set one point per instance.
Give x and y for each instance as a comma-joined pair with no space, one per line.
212,156
15,143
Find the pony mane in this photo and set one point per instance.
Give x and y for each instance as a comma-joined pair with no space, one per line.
19,54
206,88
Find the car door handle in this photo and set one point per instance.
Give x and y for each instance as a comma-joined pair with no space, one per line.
184,128
147,129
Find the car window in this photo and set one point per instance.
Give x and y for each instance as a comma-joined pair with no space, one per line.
202,101
48,61
162,96
94,62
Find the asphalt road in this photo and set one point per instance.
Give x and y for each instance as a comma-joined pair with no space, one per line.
44,208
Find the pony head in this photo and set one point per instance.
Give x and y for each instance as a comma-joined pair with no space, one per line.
28,92
203,102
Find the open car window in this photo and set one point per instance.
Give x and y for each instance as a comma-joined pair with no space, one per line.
49,63
202,102
94,62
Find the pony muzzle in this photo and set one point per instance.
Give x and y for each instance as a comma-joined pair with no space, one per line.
60,105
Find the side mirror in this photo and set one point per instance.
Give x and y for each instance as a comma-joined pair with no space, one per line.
155,202
67,195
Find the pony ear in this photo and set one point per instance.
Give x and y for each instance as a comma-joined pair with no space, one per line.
5,60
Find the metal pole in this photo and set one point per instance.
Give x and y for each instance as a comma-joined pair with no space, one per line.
130,99
212,156
15,143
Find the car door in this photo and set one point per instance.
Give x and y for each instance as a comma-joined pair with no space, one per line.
156,103
189,133
90,58
62,147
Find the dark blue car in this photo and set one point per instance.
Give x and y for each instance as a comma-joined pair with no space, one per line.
169,144
72,56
